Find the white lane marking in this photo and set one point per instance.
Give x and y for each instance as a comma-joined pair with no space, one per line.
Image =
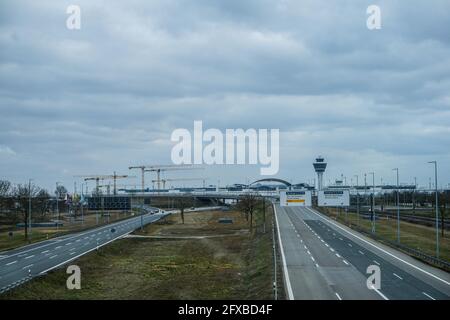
428,296
332,250
381,249
53,256
312,258
283,258
338,296
8,264
298,236
326,244
337,255
340,239
72,253
345,262
308,252
45,251
47,243
379,292
397,276
29,257
29,266
361,252
305,247
72,249
68,244
350,245
376,262
317,265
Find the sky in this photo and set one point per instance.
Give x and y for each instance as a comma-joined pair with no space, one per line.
109,95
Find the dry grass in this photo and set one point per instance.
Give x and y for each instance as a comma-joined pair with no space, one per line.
237,265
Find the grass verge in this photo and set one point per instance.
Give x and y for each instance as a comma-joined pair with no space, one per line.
211,261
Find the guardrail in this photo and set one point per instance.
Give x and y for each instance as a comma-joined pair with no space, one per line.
411,251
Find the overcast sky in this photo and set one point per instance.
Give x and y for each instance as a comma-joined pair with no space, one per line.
109,95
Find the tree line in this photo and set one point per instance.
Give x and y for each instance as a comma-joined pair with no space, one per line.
16,200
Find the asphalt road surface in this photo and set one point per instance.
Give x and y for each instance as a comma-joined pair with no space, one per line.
22,264
323,259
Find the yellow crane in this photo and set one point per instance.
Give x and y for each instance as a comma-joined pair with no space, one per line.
97,179
158,169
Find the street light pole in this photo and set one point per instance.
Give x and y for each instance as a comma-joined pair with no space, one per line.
29,207
82,203
437,207
414,196
398,208
357,200
373,202
57,206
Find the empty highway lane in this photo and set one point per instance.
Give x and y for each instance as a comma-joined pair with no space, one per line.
323,259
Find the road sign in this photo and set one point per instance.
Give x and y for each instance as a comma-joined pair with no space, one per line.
295,198
334,198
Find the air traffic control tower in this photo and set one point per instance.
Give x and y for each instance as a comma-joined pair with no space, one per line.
319,167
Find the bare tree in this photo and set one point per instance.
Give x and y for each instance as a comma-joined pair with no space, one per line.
41,202
183,203
247,204
5,188
22,194
5,193
61,191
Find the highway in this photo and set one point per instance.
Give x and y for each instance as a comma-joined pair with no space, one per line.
20,265
323,259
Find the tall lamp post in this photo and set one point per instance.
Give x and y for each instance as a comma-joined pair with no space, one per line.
398,207
437,207
373,202
414,196
57,205
357,200
29,207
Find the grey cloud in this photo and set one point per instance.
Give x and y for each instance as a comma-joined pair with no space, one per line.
109,95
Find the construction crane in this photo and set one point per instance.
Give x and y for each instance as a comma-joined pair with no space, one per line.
97,179
158,169
181,179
